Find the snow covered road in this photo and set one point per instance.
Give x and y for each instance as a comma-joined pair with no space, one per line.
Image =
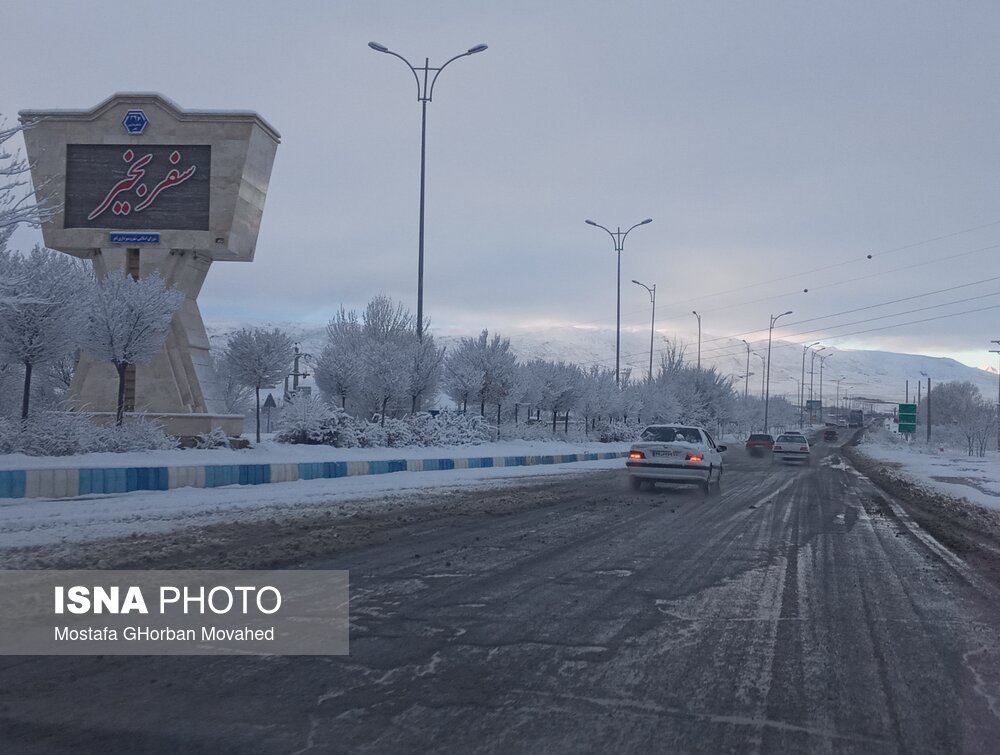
795,612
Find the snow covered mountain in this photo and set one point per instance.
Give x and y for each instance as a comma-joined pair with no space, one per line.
871,375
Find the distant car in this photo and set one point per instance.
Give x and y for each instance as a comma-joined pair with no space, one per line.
829,435
675,453
791,447
841,423
758,443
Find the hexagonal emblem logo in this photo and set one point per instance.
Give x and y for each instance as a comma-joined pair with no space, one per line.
135,121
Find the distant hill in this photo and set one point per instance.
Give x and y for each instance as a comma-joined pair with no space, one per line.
872,375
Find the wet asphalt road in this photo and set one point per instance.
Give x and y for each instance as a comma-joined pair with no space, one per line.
793,612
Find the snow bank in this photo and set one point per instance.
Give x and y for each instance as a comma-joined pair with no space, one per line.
939,470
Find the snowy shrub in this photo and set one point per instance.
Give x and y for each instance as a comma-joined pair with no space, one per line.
214,438
59,434
617,432
452,429
312,421
71,433
399,433
136,433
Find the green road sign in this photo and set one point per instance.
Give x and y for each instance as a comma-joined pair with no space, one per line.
907,415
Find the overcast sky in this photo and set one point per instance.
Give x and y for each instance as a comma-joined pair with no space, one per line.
774,144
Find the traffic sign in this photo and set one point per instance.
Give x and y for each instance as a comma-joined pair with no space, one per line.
907,415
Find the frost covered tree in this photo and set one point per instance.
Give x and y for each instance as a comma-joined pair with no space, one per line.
560,386
461,373
483,368
257,358
17,201
423,363
386,329
339,369
499,367
128,321
44,322
235,395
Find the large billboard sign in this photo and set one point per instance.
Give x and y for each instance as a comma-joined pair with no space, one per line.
137,183
132,187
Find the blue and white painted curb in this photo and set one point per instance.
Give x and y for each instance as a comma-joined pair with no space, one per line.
72,482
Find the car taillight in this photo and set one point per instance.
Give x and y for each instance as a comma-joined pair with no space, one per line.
804,448
636,455
695,457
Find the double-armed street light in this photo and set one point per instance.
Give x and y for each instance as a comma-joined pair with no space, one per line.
425,91
652,322
619,239
767,395
699,337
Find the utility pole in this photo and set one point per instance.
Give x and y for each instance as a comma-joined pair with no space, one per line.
746,383
812,371
997,352
802,383
928,410
699,336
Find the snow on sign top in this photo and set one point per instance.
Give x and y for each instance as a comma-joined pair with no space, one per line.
135,121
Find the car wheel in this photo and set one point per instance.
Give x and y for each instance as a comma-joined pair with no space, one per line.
635,482
706,486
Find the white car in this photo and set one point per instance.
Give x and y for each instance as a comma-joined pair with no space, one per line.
791,447
675,453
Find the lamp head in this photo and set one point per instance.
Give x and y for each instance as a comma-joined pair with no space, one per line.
477,48
647,220
377,47
590,222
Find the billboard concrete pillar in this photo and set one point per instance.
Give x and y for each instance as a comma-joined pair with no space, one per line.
146,186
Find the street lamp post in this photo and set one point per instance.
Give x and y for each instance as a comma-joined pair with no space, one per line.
838,396
802,383
763,366
812,371
425,91
822,360
619,238
767,396
699,337
652,322
746,385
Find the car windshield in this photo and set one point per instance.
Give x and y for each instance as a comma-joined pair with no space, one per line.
666,434
760,436
791,439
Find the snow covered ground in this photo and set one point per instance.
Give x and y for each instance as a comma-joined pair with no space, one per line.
946,470
33,522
